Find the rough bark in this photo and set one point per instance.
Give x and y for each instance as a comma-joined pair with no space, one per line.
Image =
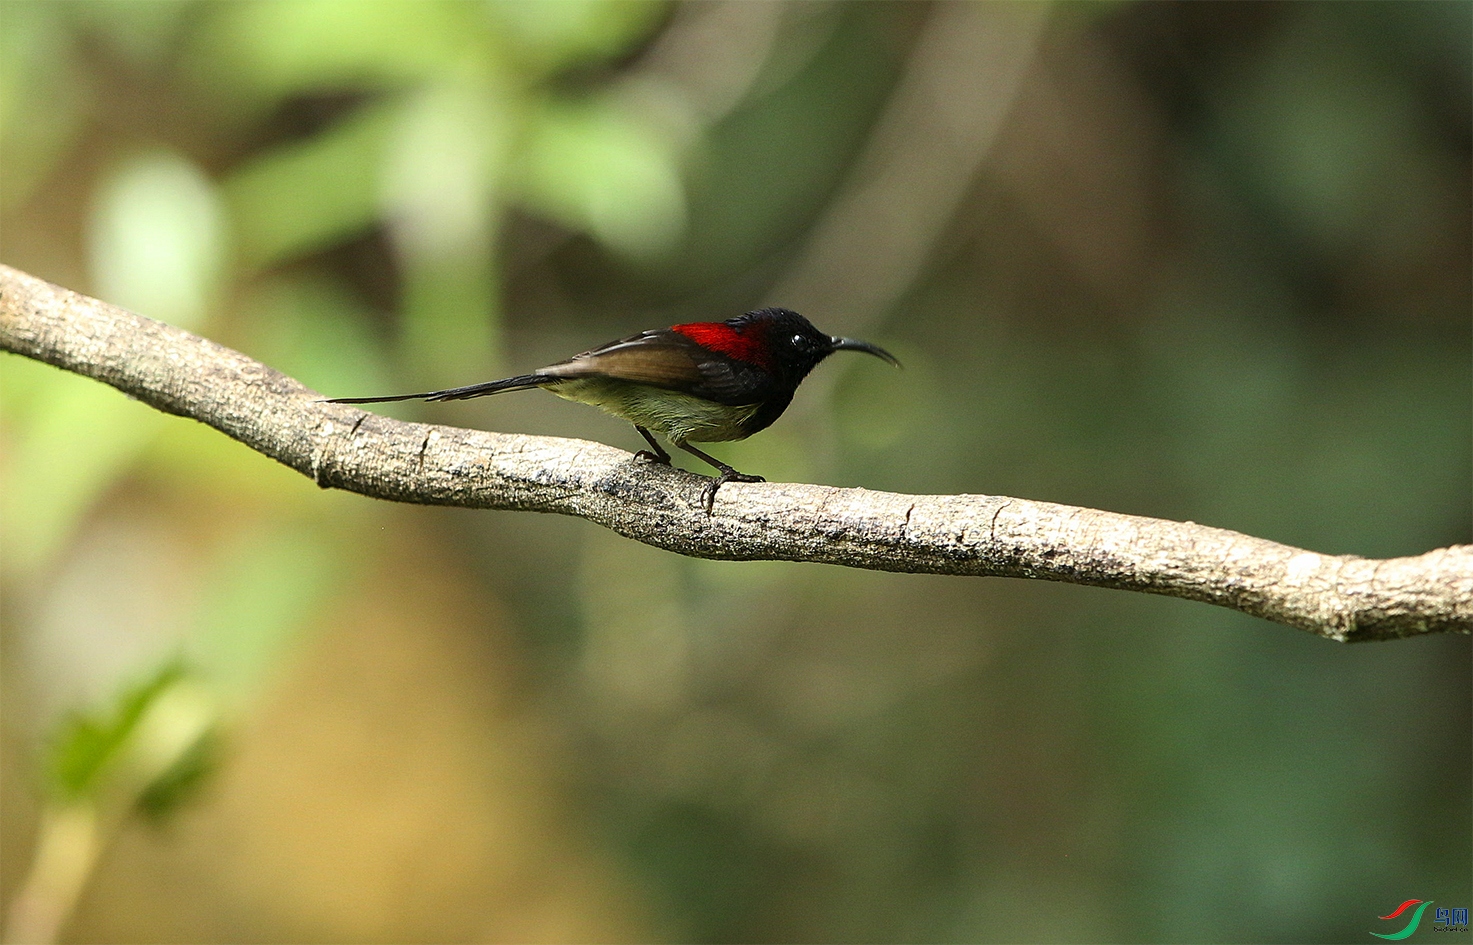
1341,597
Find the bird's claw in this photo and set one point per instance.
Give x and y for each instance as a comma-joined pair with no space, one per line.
708,494
653,457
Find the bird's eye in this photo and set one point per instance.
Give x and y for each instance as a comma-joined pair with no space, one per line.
799,341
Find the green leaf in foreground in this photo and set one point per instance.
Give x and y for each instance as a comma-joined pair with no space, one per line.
89,745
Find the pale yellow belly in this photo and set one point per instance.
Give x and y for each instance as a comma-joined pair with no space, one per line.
679,417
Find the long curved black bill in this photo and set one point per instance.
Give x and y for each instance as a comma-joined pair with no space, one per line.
854,344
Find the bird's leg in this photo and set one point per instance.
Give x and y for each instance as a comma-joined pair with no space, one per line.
708,495
659,455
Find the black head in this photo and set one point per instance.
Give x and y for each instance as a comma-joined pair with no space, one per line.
794,346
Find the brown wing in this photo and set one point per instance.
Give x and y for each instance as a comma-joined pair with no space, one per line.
658,358
663,358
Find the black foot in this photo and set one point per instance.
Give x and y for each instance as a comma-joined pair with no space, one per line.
655,453
708,494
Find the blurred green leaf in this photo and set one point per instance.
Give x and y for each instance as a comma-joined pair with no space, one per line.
594,168
549,35
307,195
153,747
88,745
264,51
442,178
156,238
443,166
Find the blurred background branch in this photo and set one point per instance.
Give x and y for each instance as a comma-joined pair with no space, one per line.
1343,598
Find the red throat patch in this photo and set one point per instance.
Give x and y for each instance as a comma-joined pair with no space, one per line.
745,345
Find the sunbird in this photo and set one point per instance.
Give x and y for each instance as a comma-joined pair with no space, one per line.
702,382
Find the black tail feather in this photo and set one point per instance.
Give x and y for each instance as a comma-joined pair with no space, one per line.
522,382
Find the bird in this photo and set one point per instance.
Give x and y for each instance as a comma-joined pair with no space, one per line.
701,382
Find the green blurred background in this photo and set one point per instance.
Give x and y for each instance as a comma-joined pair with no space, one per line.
1206,262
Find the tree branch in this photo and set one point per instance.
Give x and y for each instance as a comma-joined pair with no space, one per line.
1340,597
